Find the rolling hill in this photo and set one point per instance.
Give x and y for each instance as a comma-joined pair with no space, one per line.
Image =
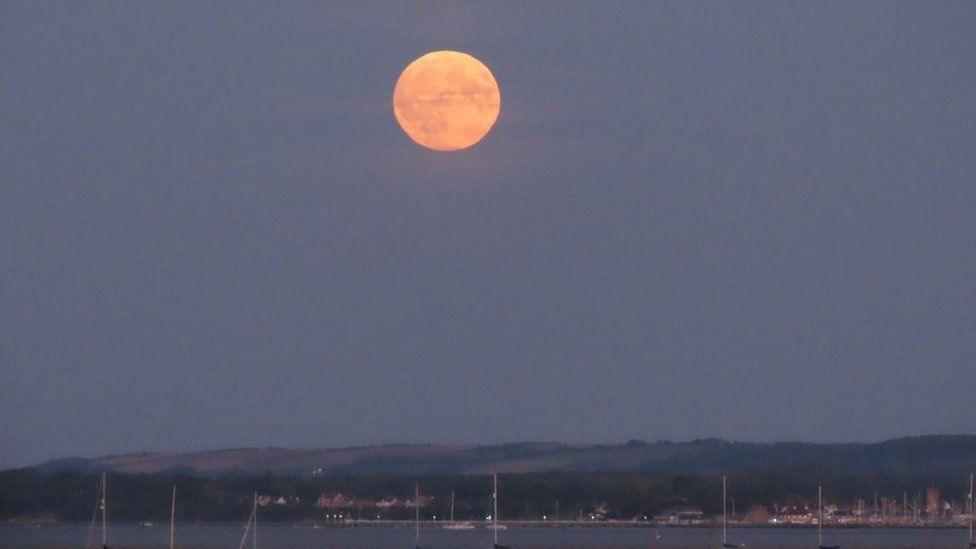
935,455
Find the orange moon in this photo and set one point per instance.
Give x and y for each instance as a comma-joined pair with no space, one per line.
446,100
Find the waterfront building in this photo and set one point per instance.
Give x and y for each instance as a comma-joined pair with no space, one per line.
757,514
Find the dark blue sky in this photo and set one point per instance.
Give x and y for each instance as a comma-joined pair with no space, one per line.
746,220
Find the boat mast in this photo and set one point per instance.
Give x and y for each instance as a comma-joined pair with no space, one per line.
971,510
172,518
91,528
104,533
904,502
254,532
494,516
452,506
724,517
820,520
416,514
253,518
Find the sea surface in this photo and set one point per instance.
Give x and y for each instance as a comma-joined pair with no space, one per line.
65,536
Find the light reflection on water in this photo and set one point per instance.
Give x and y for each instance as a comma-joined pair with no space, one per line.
300,537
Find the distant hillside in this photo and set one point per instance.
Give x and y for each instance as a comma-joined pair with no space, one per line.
942,455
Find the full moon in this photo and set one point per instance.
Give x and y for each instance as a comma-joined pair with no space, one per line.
446,100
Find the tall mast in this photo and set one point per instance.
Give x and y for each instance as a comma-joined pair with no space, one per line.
91,529
251,519
254,532
452,506
971,509
416,514
172,518
724,517
494,516
904,502
104,533
820,520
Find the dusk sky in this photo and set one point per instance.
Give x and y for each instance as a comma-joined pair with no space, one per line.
754,221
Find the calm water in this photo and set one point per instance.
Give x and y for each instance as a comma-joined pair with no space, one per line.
289,537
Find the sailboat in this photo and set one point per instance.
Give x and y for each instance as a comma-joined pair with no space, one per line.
972,511
99,505
494,516
725,518
252,526
820,522
452,525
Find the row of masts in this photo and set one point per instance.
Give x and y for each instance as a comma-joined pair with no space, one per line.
970,497
252,526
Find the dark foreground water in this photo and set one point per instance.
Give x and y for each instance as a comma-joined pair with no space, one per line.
289,537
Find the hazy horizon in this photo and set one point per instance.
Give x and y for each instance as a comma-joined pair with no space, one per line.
750,221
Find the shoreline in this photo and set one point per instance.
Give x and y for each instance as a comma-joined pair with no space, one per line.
482,525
